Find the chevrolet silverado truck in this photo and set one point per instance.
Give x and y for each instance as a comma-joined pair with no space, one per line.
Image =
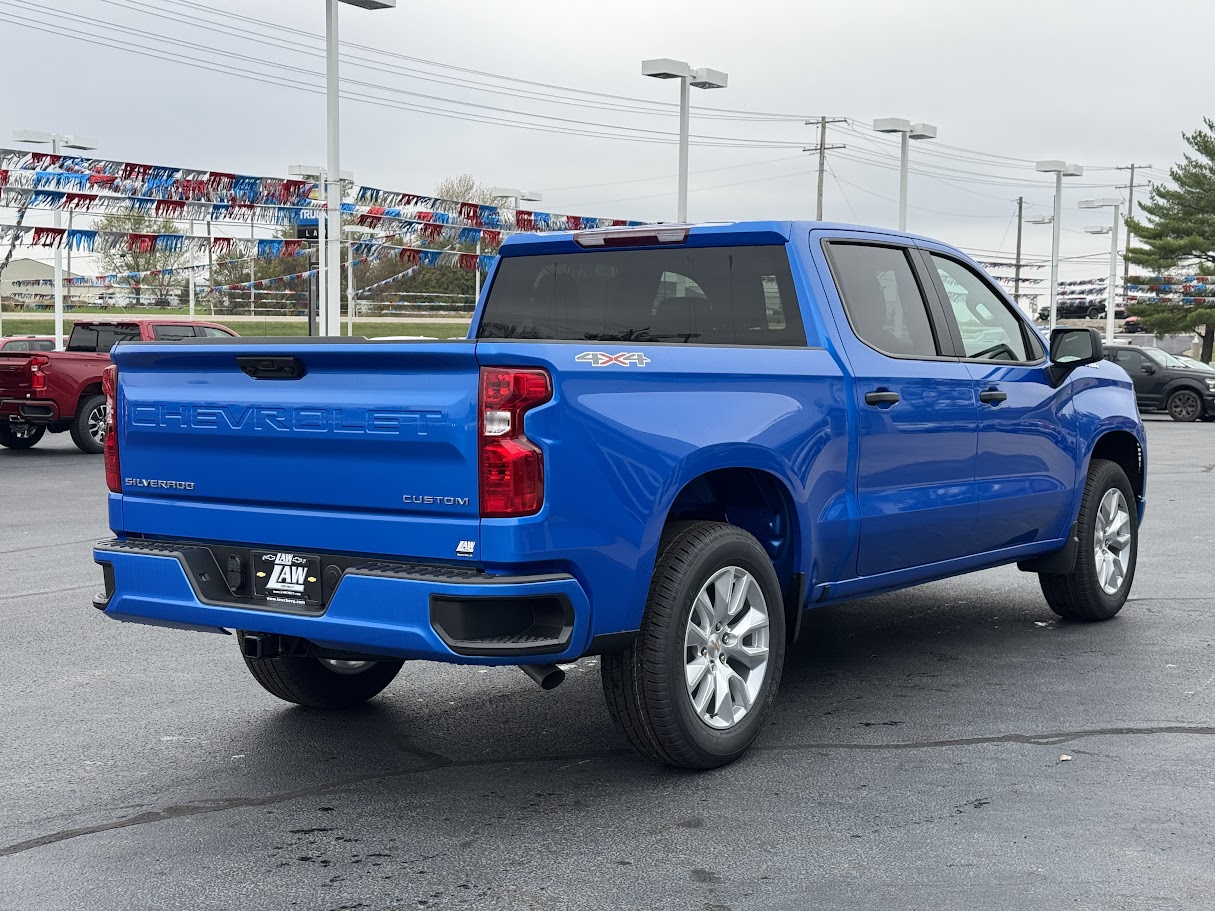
656,445
61,390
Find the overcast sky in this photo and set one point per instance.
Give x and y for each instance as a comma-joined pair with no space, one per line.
1081,80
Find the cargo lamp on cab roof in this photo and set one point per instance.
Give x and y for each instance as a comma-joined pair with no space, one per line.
632,237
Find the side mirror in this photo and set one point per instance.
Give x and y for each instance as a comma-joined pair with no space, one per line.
1148,368
1072,348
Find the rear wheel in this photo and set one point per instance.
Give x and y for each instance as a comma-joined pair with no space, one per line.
89,425
1108,532
1184,405
1094,313
322,683
20,434
695,686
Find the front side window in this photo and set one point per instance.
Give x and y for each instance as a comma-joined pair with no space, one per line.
678,295
989,329
882,299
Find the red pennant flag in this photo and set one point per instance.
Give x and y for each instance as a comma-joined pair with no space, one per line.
291,247
468,262
573,222
141,243
524,220
491,238
132,171
78,200
47,237
169,208
103,180
425,216
471,212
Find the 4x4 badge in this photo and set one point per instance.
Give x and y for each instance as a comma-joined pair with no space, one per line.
603,359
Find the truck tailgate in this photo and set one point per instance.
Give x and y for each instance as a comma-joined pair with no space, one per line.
372,448
15,374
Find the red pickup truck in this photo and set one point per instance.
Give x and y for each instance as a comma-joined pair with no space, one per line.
61,390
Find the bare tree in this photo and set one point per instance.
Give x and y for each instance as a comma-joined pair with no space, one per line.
123,261
465,188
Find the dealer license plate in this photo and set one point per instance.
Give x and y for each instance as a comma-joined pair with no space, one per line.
287,578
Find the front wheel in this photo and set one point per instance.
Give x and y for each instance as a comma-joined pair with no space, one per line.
20,434
695,686
1108,532
321,683
90,424
1184,405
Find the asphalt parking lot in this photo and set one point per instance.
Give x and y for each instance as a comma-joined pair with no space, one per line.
913,760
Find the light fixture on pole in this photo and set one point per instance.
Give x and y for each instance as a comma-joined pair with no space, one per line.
1114,203
514,197
907,131
333,182
1060,169
1042,220
703,78
57,141
316,174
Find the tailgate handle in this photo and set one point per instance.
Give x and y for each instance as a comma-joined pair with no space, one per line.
272,368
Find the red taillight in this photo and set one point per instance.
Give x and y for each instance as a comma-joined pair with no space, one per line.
512,467
109,386
37,378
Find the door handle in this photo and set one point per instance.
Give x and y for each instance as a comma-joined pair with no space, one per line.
992,396
882,397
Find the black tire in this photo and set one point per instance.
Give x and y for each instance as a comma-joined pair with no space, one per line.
1093,313
20,434
1079,595
313,683
645,685
89,417
1184,405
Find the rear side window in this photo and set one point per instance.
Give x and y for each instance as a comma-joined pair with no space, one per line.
882,299
171,333
212,332
100,338
696,296
15,346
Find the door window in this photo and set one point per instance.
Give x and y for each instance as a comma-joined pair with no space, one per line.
212,332
172,333
882,299
989,328
1131,361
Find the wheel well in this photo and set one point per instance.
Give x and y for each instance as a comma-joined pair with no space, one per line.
91,389
1122,447
755,501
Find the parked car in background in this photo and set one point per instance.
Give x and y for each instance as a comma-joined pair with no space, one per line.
1166,382
28,343
1079,310
43,390
1132,325
658,445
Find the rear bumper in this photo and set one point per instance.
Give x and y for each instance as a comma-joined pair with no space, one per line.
36,411
449,613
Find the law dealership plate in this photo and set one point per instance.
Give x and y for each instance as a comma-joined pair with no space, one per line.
288,578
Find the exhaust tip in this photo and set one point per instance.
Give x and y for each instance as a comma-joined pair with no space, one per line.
549,676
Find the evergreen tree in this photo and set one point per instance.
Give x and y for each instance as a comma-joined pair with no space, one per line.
1178,233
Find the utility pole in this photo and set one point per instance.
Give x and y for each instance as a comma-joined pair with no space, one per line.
822,148
1130,213
1017,267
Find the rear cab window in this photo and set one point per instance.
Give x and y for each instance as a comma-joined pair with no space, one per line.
101,338
169,332
740,295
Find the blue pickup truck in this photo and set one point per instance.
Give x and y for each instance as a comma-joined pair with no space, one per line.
657,445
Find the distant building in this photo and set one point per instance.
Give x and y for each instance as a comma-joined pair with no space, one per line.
26,269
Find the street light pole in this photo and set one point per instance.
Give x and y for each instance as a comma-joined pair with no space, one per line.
1115,203
57,142
907,131
332,322
1060,169
689,78
333,176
